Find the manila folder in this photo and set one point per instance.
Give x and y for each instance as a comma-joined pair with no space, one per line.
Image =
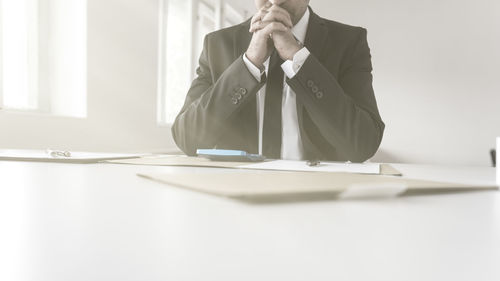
255,184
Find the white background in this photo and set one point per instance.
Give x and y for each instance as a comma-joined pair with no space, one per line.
435,69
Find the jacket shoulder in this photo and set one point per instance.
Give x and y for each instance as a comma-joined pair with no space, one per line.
343,29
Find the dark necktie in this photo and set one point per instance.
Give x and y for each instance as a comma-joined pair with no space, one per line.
271,133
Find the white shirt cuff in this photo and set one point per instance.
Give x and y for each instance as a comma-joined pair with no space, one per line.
254,70
291,68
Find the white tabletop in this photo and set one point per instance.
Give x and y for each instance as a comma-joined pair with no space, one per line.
102,222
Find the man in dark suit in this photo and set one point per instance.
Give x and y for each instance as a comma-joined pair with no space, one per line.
287,84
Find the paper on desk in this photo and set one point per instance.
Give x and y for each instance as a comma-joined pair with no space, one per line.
185,161
76,156
289,165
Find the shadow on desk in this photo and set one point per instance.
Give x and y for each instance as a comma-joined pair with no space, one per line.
324,197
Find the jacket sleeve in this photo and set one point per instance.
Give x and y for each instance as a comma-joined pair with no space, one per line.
343,110
212,101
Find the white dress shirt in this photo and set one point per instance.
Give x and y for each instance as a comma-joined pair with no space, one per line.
291,142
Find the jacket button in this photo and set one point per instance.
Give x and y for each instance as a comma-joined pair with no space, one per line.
310,83
314,89
238,96
319,95
235,101
242,91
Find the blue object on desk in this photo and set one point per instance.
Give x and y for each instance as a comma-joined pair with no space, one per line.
229,155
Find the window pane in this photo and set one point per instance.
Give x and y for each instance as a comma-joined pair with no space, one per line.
18,54
178,38
44,55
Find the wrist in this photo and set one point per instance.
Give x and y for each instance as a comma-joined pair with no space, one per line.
259,63
292,51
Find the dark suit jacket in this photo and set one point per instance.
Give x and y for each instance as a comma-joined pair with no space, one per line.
336,106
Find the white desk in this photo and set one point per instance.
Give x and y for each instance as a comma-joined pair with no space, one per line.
62,222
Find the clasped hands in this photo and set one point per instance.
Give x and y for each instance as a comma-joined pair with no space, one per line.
272,29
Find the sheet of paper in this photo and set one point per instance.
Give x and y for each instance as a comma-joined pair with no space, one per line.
185,161
76,156
288,165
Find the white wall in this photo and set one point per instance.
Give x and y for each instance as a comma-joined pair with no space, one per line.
436,75
122,88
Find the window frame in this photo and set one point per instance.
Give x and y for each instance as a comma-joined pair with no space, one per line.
161,110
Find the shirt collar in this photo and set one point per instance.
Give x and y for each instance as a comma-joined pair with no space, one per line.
300,29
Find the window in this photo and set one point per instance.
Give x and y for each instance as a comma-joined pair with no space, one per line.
205,23
231,16
19,73
175,60
183,26
43,56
